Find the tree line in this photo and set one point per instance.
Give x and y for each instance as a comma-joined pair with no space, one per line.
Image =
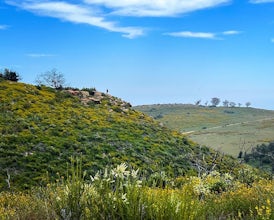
56,80
217,101
52,78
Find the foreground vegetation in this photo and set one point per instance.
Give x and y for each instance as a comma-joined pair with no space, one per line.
261,156
121,193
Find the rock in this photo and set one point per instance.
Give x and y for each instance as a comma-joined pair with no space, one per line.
84,94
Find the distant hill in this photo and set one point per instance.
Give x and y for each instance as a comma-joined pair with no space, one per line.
41,128
230,130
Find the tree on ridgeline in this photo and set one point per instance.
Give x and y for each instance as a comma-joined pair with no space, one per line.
52,78
232,104
225,103
247,104
215,101
10,75
198,102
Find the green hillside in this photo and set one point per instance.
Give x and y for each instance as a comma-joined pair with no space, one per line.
125,164
230,130
41,128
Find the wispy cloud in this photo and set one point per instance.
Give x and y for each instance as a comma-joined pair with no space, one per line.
231,32
39,55
189,34
260,1
3,27
76,14
202,35
155,7
98,12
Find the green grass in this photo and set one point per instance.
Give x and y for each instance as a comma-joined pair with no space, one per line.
129,166
41,128
227,129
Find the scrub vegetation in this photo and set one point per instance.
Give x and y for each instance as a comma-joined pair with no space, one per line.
121,193
65,158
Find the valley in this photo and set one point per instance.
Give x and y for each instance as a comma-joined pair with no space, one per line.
229,130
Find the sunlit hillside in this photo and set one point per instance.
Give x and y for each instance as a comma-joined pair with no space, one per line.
82,154
41,128
228,129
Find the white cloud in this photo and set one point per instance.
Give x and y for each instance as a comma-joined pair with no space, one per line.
155,7
98,12
38,55
231,32
260,1
3,27
202,35
77,14
189,34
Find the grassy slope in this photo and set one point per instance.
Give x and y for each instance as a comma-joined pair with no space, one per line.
227,129
42,128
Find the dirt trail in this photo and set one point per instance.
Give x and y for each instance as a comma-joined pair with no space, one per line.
229,125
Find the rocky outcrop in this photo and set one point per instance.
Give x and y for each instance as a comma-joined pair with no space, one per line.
97,97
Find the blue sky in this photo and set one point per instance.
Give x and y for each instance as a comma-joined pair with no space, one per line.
146,52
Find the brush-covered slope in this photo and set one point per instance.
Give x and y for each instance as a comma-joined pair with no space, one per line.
41,128
229,129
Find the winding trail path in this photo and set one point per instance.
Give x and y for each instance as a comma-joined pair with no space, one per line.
229,125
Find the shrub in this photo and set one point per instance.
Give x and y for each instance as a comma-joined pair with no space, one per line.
91,91
121,193
10,75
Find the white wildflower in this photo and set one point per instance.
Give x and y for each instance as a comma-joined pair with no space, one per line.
120,171
202,189
124,198
228,177
106,173
96,177
134,173
139,183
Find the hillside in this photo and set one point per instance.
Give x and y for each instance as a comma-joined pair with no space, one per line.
230,130
41,128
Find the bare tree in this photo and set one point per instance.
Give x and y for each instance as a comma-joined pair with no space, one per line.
51,78
205,165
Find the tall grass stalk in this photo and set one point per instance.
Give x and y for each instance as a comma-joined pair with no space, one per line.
119,193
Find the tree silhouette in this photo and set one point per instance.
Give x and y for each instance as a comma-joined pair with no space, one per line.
51,78
10,75
215,101
247,104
